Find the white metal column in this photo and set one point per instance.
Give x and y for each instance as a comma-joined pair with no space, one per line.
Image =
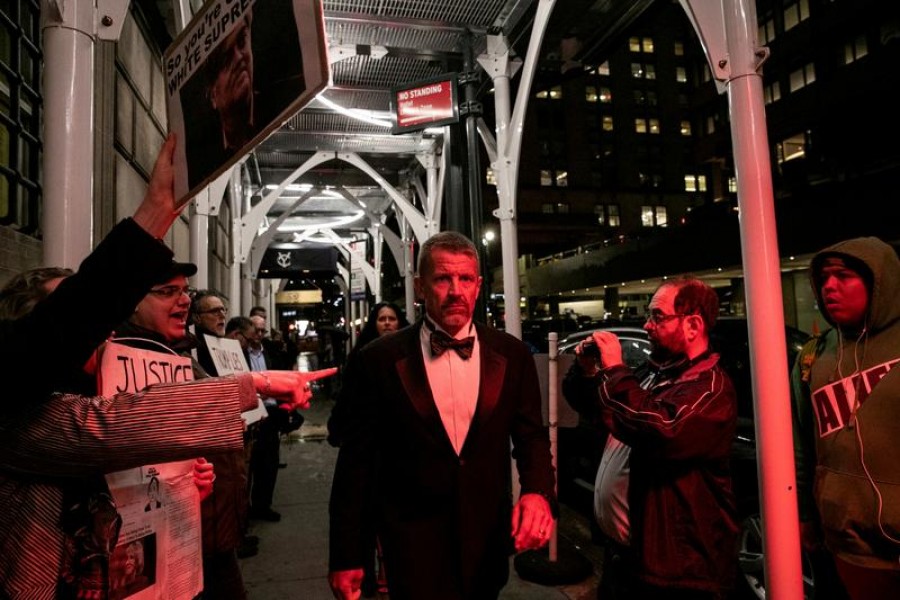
498,64
728,32
68,162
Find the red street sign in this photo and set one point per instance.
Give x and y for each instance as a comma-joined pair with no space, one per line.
430,103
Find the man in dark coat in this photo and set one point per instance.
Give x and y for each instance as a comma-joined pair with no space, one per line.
425,461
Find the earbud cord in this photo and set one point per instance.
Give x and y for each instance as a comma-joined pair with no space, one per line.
858,428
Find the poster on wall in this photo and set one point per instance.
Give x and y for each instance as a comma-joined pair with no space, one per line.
237,72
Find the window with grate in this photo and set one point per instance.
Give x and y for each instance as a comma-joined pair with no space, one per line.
20,115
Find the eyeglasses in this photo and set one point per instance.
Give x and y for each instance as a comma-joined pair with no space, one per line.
221,311
659,318
172,291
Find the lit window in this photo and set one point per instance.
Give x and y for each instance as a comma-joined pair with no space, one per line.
603,69
855,50
542,95
767,31
654,216
490,177
607,123
692,183
662,219
640,125
680,75
607,214
654,126
546,178
651,71
605,95
637,70
555,92
772,93
647,45
802,77
794,13
679,48
685,128
634,44
732,185
612,214
590,93
562,180
791,148
710,125
562,208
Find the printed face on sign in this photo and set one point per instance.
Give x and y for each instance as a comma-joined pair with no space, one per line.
231,91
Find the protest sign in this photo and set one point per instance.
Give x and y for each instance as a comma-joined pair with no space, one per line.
238,71
228,357
159,550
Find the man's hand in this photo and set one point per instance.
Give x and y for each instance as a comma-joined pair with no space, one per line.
204,476
610,348
345,585
588,360
532,522
291,388
157,212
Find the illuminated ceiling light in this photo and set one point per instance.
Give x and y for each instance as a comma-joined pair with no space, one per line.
366,116
292,187
336,222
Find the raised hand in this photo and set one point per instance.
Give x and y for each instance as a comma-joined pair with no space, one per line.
157,212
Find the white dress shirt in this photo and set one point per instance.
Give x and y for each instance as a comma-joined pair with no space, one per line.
454,383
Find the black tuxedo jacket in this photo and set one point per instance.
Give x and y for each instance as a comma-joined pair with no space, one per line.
444,520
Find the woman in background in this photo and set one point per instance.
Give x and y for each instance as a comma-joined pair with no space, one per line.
383,319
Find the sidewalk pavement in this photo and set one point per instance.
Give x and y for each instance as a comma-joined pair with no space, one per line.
293,553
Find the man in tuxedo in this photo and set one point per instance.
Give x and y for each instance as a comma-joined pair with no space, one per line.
425,464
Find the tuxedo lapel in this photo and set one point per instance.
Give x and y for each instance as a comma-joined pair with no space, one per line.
493,373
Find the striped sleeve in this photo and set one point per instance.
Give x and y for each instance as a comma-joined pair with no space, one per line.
72,436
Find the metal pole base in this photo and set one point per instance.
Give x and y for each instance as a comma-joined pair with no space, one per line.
569,567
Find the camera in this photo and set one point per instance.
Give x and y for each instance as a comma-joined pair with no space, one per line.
590,349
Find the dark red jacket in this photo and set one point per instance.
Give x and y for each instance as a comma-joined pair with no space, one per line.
681,428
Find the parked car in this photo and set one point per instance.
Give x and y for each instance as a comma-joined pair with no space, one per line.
534,331
580,448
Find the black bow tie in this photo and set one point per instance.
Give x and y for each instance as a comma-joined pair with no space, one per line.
441,342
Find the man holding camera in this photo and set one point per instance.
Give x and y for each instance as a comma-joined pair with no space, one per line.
678,514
